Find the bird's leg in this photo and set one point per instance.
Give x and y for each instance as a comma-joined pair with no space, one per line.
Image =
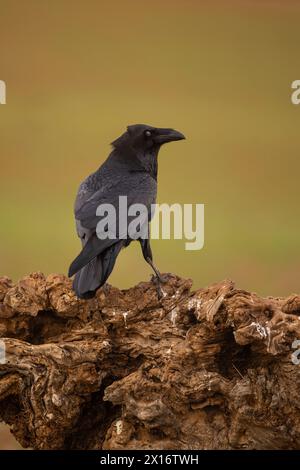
106,289
158,275
157,278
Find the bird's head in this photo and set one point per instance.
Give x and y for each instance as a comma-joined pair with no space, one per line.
138,147
142,137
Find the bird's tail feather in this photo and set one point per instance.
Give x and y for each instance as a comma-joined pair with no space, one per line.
88,279
90,251
92,276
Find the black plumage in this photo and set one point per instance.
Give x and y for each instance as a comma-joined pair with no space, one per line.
130,170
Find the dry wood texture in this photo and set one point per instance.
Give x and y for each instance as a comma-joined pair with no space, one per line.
209,369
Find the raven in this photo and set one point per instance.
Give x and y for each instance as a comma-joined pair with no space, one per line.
130,170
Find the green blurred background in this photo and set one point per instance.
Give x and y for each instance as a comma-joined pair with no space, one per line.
78,72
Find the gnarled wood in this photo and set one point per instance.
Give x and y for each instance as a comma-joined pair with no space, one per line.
209,369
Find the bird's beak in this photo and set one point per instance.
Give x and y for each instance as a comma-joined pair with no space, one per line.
167,135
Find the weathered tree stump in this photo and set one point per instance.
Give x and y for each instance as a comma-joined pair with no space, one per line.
209,369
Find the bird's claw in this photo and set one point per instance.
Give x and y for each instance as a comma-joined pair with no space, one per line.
106,289
157,281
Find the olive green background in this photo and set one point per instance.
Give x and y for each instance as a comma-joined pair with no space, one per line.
78,72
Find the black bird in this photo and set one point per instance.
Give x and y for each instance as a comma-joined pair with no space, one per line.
130,170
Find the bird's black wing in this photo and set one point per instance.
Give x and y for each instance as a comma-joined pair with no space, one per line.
139,189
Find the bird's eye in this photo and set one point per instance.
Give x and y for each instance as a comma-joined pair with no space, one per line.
148,133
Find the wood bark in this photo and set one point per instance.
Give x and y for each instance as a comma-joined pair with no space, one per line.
205,369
